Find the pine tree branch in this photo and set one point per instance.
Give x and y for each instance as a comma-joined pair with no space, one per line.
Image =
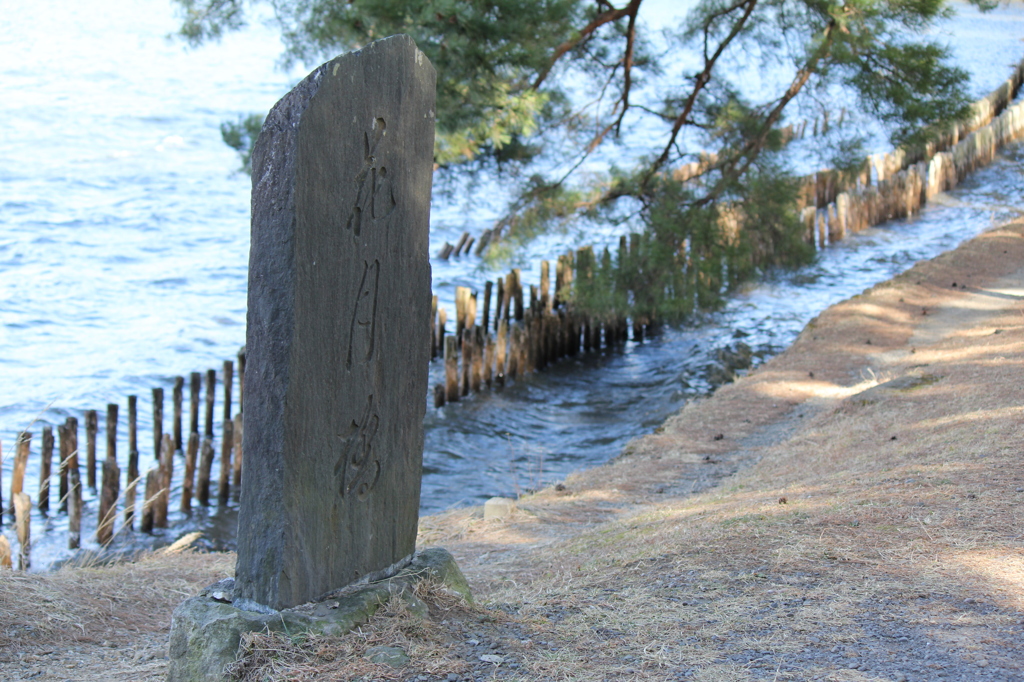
702,80
627,76
755,145
608,16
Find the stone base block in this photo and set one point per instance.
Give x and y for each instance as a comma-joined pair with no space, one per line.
206,630
498,508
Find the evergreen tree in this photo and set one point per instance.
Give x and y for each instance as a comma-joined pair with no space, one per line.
522,82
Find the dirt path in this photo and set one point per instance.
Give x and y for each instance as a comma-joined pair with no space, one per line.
891,432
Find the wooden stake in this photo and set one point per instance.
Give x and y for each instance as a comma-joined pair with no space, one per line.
506,296
5,553
62,449
191,453
72,461
179,397
476,375
488,357
158,421
166,476
564,329
112,432
433,327
513,353
21,449
461,296
467,361
133,425
111,487
229,380
108,501
837,219
484,240
470,310
451,369
525,359
195,386
499,303
563,333
517,280
132,481
227,444
547,340
211,387
574,333
528,362
545,285
205,466
237,437
559,277
499,361
74,506
442,320
241,377
485,321
543,343
567,274
91,428
45,466
22,514
439,395
151,500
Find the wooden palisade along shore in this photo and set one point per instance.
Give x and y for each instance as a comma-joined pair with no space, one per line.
110,495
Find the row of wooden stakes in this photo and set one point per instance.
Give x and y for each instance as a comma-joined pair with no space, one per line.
790,132
838,205
524,339
196,481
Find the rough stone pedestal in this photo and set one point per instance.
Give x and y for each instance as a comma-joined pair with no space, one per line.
206,630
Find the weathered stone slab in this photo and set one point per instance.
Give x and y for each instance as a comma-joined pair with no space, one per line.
206,630
338,327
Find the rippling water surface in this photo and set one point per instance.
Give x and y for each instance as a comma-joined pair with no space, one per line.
124,249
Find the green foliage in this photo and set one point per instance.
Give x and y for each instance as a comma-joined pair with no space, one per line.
487,54
241,136
908,87
204,20
529,85
543,206
693,252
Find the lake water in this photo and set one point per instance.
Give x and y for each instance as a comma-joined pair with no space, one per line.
124,250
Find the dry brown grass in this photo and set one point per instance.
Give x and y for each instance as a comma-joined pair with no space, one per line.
101,623
271,656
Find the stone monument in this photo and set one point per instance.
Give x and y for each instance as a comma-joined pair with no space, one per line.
337,348
338,328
